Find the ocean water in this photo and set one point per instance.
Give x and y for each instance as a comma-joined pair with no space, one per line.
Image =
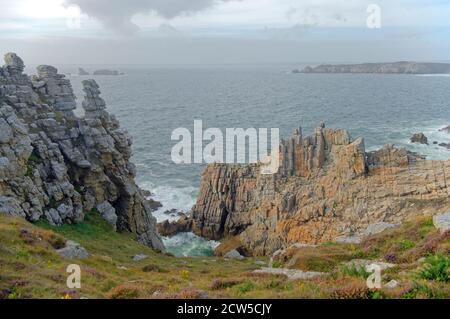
151,102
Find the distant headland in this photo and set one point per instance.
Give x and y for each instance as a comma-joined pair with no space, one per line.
403,67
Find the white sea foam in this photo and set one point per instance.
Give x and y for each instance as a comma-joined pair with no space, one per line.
171,197
432,132
189,245
180,199
433,75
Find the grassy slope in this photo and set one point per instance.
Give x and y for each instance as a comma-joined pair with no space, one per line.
30,267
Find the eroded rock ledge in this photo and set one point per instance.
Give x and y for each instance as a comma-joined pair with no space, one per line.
57,166
328,187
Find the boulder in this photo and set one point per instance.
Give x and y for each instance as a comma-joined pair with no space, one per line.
73,250
442,222
167,228
377,228
234,254
364,263
291,274
139,257
354,239
419,138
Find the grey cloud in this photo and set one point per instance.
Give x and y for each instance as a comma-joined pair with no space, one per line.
117,14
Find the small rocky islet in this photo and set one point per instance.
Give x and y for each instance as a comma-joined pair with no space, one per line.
83,72
420,138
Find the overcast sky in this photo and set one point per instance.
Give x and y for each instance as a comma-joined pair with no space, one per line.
223,31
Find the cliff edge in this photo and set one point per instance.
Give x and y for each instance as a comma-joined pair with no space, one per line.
57,166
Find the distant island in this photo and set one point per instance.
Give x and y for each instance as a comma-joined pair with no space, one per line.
82,72
107,72
403,67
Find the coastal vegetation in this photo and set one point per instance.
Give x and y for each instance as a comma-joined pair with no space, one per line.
32,268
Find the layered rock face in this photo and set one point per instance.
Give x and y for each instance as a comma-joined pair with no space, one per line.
57,166
327,187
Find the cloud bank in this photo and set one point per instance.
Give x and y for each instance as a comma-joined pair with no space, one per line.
117,14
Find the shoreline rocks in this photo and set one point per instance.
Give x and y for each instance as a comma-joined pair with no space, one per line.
445,129
169,229
327,187
419,138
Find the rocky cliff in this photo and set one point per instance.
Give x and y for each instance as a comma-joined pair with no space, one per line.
404,67
328,188
57,166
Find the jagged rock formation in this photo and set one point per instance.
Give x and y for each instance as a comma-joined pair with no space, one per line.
57,166
327,187
404,67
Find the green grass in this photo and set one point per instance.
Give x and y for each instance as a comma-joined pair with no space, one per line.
407,244
436,268
110,271
355,271
421,290
31,268
245,287
94,227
